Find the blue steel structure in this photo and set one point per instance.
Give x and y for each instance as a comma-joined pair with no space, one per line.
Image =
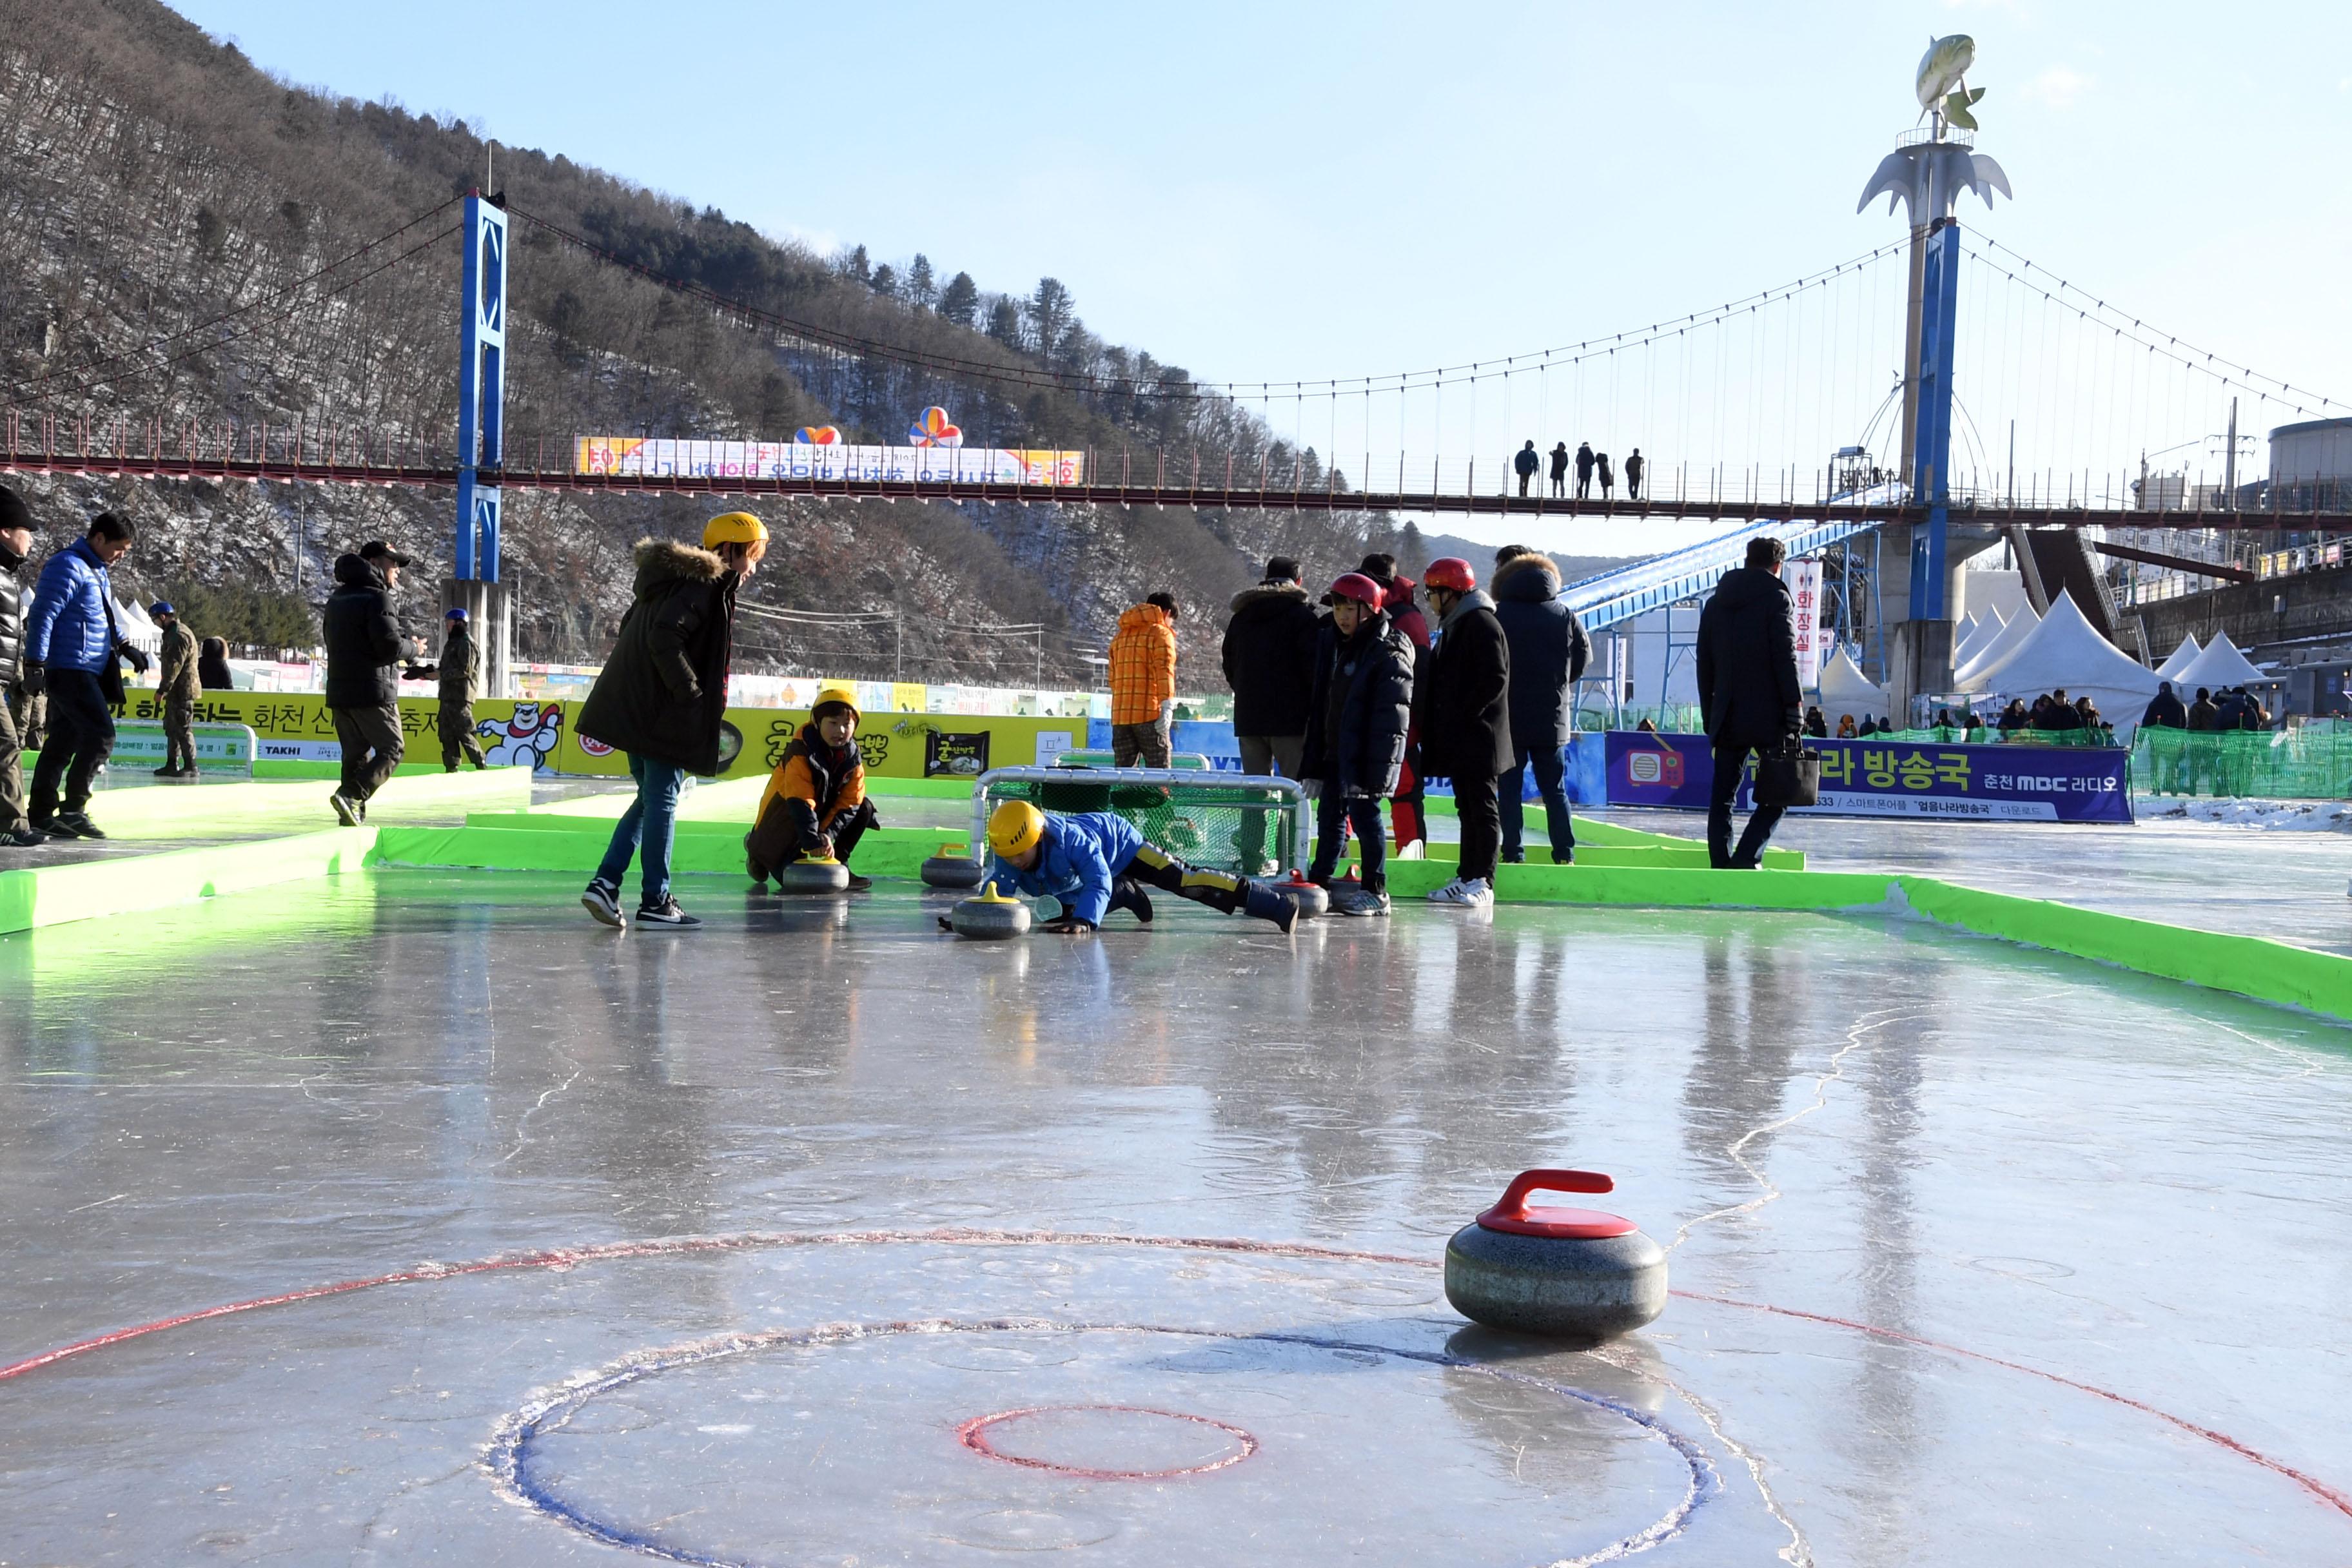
1932,442
481,388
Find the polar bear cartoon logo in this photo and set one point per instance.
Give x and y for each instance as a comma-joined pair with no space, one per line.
529,736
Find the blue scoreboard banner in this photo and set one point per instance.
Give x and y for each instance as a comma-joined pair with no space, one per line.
1896,778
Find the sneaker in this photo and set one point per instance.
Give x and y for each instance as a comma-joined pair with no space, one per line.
1563,857
859,884
346,812
167,772
602,900
1350,897
71,825
22,839
665,916
1465,892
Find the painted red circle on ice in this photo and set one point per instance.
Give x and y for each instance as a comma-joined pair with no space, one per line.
977,1435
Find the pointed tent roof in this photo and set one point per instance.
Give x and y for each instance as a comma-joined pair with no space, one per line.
2182,657
1976,639
1845,689
2066,651
2008,640
2222,665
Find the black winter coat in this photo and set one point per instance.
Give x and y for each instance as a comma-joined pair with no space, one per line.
362,639
2167,709
1748,689
1548,649
1372,675
1269,658
1463,709
663,693
12,624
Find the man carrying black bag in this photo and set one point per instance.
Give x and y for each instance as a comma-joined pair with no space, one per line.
1748,691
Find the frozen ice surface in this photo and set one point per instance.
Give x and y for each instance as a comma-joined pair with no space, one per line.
2020,1168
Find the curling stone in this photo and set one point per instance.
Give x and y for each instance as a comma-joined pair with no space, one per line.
989,918
1309,896
1574,1274
948,869
812,876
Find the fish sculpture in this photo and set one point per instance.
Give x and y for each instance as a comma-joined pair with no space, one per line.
1942,86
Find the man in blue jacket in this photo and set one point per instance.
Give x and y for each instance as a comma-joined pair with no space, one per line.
1095,862
71,646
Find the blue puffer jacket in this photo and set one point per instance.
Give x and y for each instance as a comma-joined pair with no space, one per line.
68,629
1079,855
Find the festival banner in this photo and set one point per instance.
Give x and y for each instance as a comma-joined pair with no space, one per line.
659,458
1872,778
1805,578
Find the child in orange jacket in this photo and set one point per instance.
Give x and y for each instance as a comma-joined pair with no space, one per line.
815,805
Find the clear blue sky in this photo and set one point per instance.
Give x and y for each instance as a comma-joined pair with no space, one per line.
1278,191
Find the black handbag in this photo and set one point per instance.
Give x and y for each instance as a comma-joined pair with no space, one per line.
109,674
1788,775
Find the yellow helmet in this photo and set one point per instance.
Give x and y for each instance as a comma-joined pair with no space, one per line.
1014,828
734,528
841,694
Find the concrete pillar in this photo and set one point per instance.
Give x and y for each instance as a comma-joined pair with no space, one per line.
490,611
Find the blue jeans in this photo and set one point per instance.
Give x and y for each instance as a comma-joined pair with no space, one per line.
1550,769
650,821
1333,816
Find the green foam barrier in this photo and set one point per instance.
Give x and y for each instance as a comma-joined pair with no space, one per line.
526,842
35,895
201,810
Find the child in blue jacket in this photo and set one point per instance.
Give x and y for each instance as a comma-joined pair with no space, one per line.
1095,862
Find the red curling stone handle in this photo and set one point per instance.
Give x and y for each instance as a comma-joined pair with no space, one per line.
1513,1216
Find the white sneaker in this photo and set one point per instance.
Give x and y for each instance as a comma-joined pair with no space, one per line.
1469,893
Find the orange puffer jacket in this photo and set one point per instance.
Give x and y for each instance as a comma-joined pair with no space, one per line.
1142,665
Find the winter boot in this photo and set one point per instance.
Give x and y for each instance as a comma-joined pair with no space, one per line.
1264,903
1127,893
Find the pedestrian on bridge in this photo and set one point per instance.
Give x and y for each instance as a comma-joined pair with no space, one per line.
74,652
1748,694
1634,466
1583,470
16,545
1559,468
661,698
1608,474
1143,683
176,692
461,676
1549,652
1524,464
362,638
1464,717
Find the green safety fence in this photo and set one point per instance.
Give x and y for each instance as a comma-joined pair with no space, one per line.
2310,762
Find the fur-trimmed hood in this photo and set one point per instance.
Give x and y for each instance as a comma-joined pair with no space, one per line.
1267,591
664,561
1521,577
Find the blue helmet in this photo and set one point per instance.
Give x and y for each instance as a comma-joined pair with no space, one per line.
161,607
456,613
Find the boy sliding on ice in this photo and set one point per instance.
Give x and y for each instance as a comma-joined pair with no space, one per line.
815,805
1096,862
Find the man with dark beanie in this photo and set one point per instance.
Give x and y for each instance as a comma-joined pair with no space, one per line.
16,545
362,638
1269,659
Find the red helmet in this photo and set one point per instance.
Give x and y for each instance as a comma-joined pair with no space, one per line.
1357,586
1450,572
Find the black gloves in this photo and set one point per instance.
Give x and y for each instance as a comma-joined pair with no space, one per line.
138,659
37,679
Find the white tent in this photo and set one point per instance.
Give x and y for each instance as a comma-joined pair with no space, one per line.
2182,657
2008,640
1845,689
2066,653
1977,638
2221,665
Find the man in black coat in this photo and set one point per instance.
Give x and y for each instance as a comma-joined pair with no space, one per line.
363,639
1747,690
1525,465
1559,468
1583,470
1463,712
2166,708
1359,718
1549,652
1269,659
661,698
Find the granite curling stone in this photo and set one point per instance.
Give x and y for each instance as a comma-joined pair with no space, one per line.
989,918
812,876
1573,1274
1309,896
948,869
